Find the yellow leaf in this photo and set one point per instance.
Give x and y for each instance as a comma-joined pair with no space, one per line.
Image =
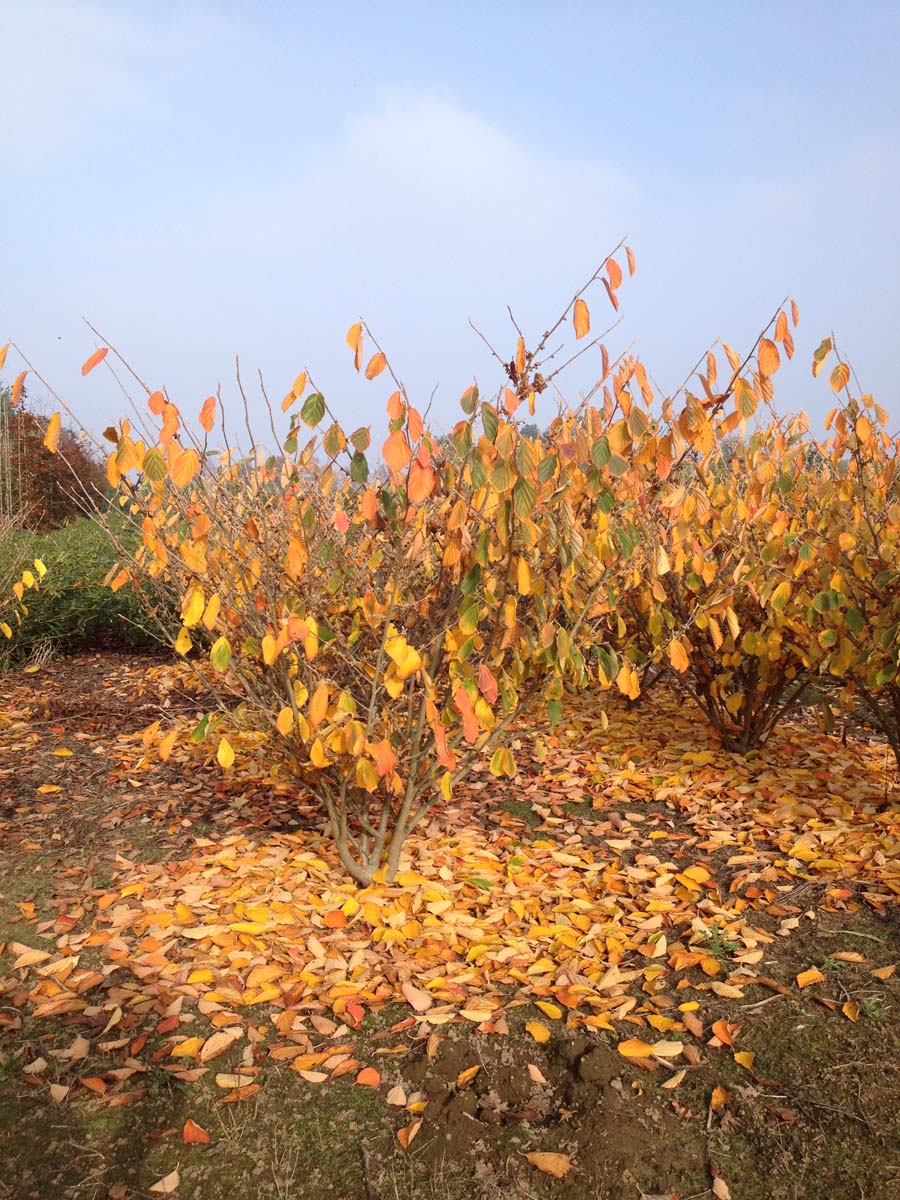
523,577
46,788
538,1031
285,722
269,650
183,642
677,656
769,358
225,753
467,1075
51,437
189,1048
745,1059
719,1098
193,610
850,1009
557,1165
553,1011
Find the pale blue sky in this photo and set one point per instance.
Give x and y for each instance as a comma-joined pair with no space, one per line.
204,179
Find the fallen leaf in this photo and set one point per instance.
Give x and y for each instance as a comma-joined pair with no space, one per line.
167,1185
813,975
193,1134
557,1165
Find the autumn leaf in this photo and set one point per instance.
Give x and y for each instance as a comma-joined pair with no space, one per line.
581,319
368,1077
167,1185
91,362
811,976
376,365
51,436
193,1135
208,413
557,1165
769,358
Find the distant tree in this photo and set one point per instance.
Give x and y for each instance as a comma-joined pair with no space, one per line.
43,489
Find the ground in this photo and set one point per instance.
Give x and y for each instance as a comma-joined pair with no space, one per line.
672,968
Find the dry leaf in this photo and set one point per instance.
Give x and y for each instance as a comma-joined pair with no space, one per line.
557,1165
167,1185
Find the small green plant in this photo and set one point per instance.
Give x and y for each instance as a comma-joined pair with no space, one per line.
873,1007
720,944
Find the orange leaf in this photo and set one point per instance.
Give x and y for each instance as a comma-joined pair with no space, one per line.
769,358
395,406
377,363
487,684
193,1134
335,919
467,1075
156,402
719,1098
415,426
18,388
97,357
368,1077
813,975
581,319
386,760
3,351
208,413
353,335
510,401
724,1030
635,1048
632,264
420,484
396,452
408,1132
615,273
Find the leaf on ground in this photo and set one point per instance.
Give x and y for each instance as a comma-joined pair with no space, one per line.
557,1165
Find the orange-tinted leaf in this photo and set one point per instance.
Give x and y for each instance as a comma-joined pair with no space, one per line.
368,1077
193,1135
581,319
615,273
208,413
806,978
769,358
353,335
97,357
18,388
376,365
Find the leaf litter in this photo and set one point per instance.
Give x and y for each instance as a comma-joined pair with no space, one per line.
591,896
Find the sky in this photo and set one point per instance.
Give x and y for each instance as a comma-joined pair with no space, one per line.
201,180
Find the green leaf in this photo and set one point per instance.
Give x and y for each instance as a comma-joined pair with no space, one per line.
554,711
524,497
155,466
546,468
359,468
490,421
313,409
469,402
360,438
600,452
617,465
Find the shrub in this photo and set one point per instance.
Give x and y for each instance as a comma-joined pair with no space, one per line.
854,617
73,609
